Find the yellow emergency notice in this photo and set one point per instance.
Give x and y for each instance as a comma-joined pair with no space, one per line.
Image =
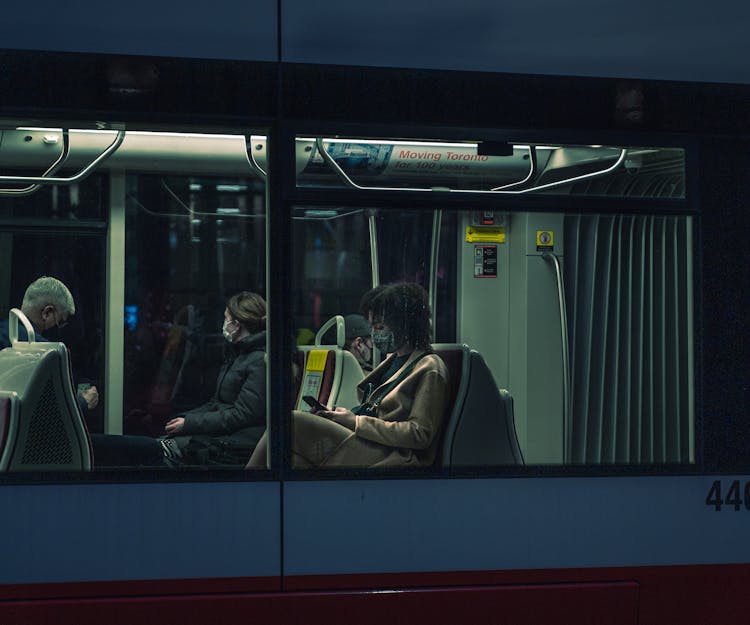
485,234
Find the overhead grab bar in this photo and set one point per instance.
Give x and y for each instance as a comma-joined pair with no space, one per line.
340,172
344,177
567,429
532,171
44,180
593,174
59,162
251,159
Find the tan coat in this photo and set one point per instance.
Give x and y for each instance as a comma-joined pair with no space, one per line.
406,430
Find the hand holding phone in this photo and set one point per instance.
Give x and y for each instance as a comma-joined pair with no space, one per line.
314,404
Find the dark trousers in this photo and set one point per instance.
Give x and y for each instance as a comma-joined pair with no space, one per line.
113,450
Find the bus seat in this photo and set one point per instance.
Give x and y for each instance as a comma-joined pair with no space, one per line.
480,428
45,431
330,373
8,416
318,367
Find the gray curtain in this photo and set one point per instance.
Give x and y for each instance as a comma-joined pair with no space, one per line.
629,297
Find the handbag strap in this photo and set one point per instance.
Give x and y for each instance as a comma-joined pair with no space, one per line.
401,376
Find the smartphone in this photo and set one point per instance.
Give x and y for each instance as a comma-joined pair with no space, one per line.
84,386
313,403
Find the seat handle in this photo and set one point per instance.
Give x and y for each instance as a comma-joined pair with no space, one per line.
13,318
338,321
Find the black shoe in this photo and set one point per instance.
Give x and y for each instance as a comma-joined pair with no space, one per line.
172,453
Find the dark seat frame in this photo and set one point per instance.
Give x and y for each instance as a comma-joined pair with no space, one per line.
480,428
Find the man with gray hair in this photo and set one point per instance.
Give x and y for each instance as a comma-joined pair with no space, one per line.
47,304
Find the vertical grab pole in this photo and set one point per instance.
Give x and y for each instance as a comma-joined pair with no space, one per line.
115,306
373,247
375,269
437,218
567,426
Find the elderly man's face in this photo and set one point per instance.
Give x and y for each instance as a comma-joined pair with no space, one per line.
52,318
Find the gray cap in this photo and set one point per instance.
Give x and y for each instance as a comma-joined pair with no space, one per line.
356,325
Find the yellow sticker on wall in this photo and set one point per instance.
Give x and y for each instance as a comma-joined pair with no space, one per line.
545,241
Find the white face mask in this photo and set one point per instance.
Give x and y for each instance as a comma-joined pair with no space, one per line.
226,331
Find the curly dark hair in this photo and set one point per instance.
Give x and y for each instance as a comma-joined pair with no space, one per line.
365,304
249,309
405,309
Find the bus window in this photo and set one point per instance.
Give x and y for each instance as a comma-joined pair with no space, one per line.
335,262
196,322
78,261
579,331
163,251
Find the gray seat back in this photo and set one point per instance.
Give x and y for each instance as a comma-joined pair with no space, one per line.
8,423
480,430
46,431
330,373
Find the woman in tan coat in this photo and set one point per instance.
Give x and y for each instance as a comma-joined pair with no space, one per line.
403,400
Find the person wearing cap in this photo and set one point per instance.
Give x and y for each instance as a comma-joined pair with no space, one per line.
358,334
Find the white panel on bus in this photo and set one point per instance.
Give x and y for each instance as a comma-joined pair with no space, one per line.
223,29
695,41
98,532
379,526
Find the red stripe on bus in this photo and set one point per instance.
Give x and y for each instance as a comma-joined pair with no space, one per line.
561,604
142,588
690,595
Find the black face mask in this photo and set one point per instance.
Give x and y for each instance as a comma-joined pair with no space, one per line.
55,334
384,341
51,334
68,334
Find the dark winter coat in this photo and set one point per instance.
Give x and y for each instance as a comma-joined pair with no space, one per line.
22,335
237,411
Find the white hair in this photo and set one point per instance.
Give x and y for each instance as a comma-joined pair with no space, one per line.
47,290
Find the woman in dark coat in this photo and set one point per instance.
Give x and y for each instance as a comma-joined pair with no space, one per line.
233,420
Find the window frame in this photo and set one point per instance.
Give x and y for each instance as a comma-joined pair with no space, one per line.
282,195
396,201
